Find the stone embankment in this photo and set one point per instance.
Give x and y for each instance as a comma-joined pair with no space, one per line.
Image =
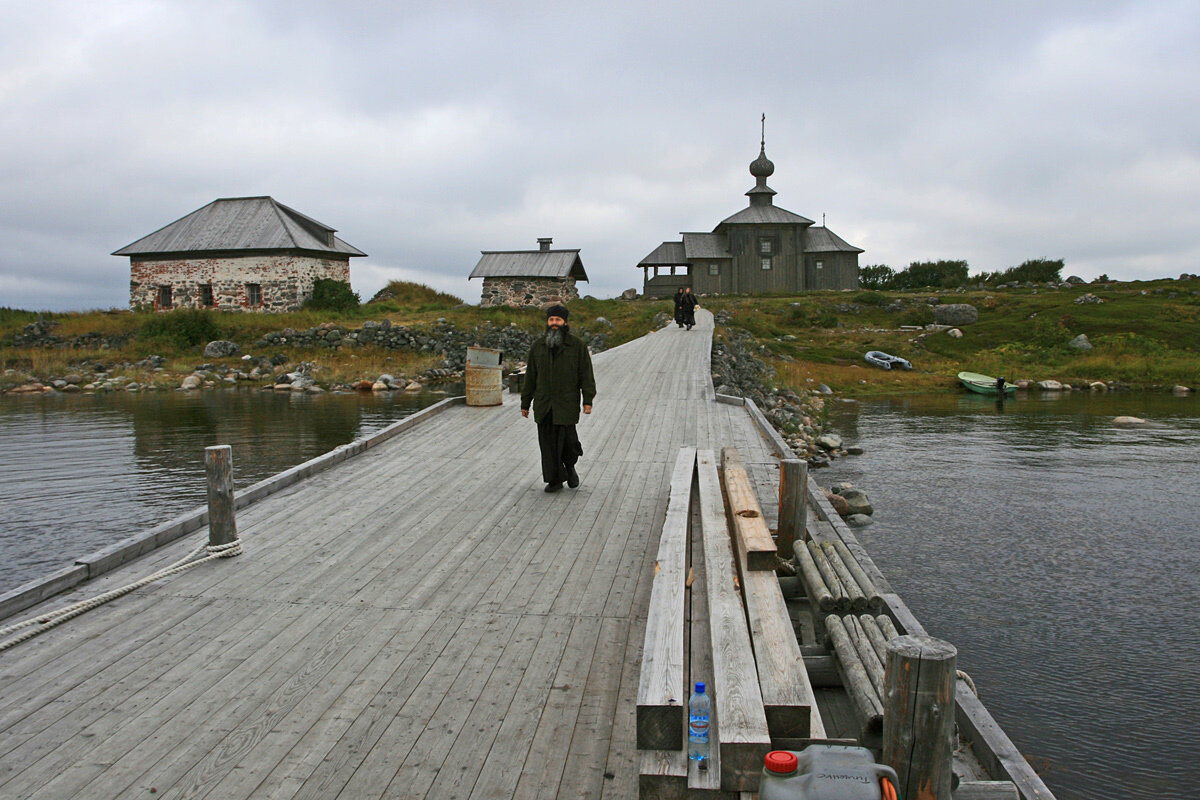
799,416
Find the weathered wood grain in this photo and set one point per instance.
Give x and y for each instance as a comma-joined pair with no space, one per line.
741,720
661,690
752,539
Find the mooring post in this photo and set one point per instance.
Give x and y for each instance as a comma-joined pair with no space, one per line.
793,505
218,467
918,715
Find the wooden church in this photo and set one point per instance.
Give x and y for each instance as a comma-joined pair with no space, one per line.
762,248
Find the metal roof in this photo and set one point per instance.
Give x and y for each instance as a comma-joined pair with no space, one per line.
241,223
765,214
822,240
529,264
667,254
705,245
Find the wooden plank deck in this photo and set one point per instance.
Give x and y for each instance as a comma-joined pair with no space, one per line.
419,621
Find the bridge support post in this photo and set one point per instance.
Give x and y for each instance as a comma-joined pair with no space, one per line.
218,469
793,506
918,715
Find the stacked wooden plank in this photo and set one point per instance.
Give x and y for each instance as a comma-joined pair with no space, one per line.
740,641
787,693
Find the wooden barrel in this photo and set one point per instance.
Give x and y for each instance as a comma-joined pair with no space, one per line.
485,384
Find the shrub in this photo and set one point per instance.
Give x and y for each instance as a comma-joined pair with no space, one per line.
876,276
870,298
943,274
182,328
331,295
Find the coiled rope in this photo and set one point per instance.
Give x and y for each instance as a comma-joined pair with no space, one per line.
50,619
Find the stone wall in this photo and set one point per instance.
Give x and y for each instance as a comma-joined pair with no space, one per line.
522,292
285,281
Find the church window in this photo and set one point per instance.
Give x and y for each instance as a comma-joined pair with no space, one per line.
765,246
206,295
253,294
765,261
714,269
820,265
164,296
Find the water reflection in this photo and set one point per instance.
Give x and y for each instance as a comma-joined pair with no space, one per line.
82,471
1059,553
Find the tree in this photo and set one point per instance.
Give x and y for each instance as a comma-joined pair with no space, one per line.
876,276
331,295
936,274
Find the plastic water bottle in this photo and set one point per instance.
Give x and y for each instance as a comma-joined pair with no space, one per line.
698,714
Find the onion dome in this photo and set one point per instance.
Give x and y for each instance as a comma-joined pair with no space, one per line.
762,167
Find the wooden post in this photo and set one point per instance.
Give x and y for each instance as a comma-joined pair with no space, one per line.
793,505
218,467
918,715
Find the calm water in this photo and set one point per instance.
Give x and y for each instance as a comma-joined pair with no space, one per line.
82,471
1061,555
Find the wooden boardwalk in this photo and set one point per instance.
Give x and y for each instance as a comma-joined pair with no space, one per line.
420,621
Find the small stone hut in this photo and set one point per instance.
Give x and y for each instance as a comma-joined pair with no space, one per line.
236,254
522,278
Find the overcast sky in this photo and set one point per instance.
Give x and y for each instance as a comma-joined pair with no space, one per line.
425,132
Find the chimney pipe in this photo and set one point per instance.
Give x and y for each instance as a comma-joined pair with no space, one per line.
544,244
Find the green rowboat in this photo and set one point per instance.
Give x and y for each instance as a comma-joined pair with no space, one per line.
983,384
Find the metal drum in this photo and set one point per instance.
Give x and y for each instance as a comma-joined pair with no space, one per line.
484,382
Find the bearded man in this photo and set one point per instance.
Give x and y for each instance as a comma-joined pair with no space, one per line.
558,375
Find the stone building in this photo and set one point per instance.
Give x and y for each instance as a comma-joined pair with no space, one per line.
235,254
529,277
762,248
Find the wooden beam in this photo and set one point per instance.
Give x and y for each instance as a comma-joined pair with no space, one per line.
662,690
756,550
918,721
793,505
741,720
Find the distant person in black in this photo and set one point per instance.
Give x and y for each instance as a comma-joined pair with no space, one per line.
1000,385
687,305
679,307
558,375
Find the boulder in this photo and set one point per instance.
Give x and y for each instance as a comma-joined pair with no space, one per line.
1090,298
955,314
629,294
954,333
379,386
1098,386
604,322
1129,422
413,387
838,502
841,487
1075,280
858,520
858,502
1180,389
1050,386
221,348
191,382
829,441
1080,343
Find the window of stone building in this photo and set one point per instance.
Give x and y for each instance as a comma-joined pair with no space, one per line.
714,269
765,261
206,295
254,294
164,296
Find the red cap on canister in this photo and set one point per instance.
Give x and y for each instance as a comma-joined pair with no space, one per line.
780,761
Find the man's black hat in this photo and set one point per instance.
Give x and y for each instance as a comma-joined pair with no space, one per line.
556,311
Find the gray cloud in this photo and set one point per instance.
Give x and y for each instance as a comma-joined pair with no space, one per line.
428,132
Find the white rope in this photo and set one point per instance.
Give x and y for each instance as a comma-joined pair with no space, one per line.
965,678
50,619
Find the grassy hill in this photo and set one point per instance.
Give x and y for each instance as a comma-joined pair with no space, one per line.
1144,334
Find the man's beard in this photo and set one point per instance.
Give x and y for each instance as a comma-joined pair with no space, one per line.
554,336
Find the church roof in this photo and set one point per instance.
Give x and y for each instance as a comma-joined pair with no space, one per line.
705,245
667,254
529,264
822,240
241,223
764,214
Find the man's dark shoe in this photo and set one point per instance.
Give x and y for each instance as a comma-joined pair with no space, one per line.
553,487
572,477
